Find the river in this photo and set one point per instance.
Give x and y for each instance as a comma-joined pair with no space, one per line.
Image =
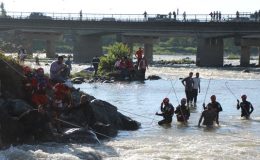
234,139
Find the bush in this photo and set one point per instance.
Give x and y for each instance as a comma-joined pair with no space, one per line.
115,51
233,56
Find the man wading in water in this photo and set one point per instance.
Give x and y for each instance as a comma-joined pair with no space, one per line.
246,107
167,110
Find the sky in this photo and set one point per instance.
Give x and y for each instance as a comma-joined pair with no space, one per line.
132,6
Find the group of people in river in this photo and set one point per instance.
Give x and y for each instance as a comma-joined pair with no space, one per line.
211,110
52,96
128,69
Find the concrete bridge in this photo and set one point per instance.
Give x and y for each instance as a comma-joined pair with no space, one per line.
209,31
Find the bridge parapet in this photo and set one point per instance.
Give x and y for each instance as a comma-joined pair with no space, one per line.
244,17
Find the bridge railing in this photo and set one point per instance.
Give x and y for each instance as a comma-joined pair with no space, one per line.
243,16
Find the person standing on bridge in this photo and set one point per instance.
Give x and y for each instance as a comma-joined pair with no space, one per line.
237,14
145,15
184,16
174,15
80,15
170,15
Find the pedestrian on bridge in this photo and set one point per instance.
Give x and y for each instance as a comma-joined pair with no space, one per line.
80,15
184,16
145,15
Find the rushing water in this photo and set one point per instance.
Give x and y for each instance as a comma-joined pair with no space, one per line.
234,139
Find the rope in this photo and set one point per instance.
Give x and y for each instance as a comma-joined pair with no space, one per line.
166,96
230,90
185,121
235,97
75,125
135,114
207,88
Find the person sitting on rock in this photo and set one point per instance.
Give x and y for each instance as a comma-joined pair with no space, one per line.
61,102
123,68
182,111
28,82
62,96
167,110
117,64
130,67
40,85
59,72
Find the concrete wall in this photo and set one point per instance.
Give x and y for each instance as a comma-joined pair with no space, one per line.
210,52
86,47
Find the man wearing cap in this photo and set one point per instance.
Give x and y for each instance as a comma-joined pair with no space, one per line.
167,110
246,107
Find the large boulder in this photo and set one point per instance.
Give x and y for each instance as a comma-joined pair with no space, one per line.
16,107
36,125
11,130
79,135
108,114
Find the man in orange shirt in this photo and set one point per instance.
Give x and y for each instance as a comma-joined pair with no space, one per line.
139,55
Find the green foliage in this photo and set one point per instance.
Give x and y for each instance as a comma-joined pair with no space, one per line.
233,56
86,75
115,51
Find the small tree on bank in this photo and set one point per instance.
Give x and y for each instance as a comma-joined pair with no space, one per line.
115,51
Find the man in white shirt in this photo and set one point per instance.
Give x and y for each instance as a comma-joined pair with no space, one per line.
196,88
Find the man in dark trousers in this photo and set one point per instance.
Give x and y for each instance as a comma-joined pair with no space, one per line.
188,84
95,62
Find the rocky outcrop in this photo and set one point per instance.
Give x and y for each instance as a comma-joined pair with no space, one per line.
21,123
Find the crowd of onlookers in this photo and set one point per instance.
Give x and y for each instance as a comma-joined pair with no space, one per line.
128,69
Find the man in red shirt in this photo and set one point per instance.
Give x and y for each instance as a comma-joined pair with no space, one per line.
139,55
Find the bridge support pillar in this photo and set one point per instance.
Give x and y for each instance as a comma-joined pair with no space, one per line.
245,56
50,48
86,47
148,52
210,52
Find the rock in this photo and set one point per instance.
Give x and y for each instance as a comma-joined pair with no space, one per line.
108,114
78,80
79,135
104,131
246,71
153,77
16,107
128,123
11,130
37,125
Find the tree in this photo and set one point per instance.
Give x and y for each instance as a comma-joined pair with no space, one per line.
115,51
